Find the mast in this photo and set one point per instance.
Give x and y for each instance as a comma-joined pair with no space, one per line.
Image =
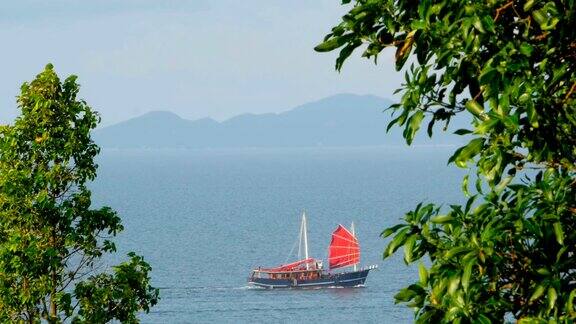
300,240
305,237
354,234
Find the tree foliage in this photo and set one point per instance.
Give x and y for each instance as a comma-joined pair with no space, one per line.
509,252
50,237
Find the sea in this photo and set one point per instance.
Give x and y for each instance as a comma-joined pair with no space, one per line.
204,218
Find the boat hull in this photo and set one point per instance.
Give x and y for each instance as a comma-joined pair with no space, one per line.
347,279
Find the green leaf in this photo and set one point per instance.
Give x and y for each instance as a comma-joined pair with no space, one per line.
442,219
409,248
422,274
332,43
483,319
344,54
396,242
537,293
478,25
466,153
407,294
528,5
552,296
488,74
502,185
467,273
465,186
475,109
462,131
559,233
488,24
560,253
430,127
526,49
524,98
532,114
413,126
456,251
453,283
570,301
391,230
478,185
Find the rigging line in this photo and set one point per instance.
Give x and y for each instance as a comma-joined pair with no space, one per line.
345,247
346,239
341,265
292,250
343,256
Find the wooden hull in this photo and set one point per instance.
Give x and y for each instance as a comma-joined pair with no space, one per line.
346,279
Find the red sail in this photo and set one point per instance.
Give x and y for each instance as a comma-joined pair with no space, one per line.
344,249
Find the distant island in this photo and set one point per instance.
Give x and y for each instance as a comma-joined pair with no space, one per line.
339,120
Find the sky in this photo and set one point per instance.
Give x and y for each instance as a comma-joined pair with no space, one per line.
197,58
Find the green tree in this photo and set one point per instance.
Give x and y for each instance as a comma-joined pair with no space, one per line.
51,239
510,252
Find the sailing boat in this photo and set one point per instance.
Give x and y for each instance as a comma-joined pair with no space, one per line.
344,251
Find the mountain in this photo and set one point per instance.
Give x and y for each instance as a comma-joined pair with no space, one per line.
340,120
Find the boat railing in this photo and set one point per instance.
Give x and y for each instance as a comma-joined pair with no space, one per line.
370,267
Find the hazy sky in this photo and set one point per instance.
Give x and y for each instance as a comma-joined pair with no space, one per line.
197,58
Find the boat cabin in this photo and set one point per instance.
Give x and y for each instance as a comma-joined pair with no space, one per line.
307,269
288,275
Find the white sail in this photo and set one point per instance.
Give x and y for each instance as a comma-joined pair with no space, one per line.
303,239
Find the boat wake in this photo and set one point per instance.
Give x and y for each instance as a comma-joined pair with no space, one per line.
351,287
249,287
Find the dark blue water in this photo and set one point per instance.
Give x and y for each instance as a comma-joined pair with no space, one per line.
204,219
